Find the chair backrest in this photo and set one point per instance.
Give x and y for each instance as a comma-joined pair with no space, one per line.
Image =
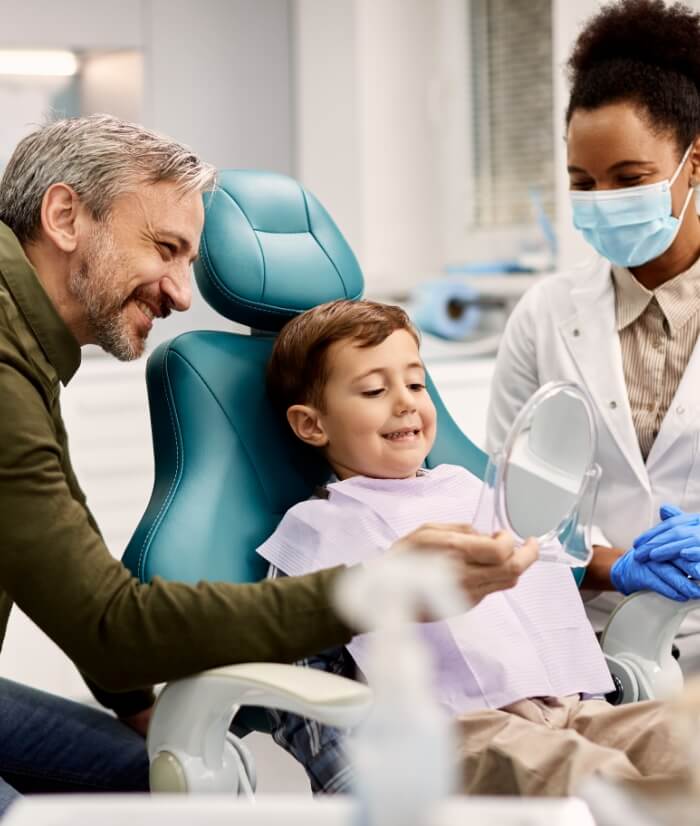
226,467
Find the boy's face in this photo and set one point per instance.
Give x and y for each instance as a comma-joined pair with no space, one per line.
378,419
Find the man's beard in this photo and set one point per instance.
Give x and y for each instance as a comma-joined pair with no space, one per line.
95,283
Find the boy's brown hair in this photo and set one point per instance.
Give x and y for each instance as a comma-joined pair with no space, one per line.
298,370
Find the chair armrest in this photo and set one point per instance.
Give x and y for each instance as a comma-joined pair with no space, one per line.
638,638
187,734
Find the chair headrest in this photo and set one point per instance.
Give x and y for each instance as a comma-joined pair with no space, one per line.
269,250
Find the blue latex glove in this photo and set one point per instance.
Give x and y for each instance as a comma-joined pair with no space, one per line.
629,575
676,537
691,569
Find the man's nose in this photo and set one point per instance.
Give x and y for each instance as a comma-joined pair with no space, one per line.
177,286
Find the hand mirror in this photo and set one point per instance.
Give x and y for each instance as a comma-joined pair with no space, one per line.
544,481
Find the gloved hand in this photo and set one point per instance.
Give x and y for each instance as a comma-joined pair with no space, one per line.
676,537
629,575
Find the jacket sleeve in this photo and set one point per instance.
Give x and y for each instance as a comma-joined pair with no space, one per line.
120,633
515,376
122,703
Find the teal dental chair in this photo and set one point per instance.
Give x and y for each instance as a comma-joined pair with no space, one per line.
227,469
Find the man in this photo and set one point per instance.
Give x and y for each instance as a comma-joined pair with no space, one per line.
99,223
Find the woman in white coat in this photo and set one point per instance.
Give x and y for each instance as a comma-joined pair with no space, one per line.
626,326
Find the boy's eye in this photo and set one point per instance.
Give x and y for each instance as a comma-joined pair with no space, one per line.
371,393
416,386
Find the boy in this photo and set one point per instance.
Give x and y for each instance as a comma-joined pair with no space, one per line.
515,670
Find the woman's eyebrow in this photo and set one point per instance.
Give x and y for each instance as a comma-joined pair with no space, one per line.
615,167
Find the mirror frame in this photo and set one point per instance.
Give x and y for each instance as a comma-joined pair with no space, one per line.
589,477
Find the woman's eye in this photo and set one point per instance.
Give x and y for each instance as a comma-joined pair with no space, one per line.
372,393
630,180
581,185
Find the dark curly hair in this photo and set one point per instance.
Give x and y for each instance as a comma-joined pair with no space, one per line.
645,52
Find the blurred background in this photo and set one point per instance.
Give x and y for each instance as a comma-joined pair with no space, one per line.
432,131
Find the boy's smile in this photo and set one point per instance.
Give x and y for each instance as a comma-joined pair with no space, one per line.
377,419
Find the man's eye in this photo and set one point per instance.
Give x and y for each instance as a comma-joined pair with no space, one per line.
578,186
167,250
630,180
371,393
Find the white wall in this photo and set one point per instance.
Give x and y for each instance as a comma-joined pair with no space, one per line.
71,24
327,126
567,19
113,82
218,77
373,162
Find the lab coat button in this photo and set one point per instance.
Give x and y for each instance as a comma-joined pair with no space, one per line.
680,410
576,332
613,405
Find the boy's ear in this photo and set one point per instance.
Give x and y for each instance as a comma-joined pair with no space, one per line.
306,424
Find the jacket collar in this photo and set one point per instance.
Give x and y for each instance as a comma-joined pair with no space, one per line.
55,339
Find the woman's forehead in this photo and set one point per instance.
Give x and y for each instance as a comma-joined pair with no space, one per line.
608,135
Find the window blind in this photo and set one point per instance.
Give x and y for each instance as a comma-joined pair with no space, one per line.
512,117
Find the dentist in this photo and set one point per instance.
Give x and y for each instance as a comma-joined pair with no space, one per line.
626,328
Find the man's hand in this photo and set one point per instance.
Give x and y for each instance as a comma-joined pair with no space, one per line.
139,722
487,563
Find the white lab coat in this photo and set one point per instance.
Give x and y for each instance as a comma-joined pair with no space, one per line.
564,329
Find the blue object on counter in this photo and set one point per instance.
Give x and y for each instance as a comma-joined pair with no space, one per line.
498,267
446,308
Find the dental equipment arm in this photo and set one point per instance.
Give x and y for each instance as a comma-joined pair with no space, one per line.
188,743
637,646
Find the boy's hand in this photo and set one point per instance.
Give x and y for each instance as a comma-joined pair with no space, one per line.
487,563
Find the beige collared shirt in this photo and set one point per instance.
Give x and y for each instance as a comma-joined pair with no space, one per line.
657,330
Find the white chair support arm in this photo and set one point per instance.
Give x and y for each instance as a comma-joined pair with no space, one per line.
187,737
637,644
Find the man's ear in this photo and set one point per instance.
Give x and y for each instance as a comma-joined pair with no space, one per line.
306,424
59,216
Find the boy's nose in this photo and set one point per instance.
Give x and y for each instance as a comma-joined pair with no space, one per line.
405,403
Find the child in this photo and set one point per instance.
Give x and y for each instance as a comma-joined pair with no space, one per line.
516,670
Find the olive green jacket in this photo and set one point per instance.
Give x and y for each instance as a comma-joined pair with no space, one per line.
121,634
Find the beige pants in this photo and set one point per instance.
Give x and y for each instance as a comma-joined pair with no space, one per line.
548,746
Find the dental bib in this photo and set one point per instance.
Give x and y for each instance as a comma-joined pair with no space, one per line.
532,640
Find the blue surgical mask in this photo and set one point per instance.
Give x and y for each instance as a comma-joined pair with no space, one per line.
630,226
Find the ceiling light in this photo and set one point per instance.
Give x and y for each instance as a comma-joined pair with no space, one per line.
46,62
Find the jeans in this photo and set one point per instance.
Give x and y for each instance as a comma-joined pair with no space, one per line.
49,744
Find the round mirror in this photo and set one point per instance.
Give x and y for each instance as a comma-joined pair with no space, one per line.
547,472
